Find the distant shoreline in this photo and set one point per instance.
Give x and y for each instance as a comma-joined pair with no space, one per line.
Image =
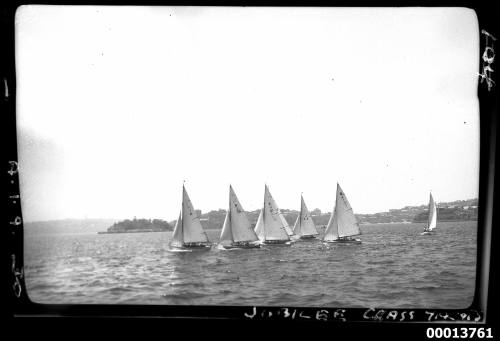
318,227
416,222
458,210
131,231
139,231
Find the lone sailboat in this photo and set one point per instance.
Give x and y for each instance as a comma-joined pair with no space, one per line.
304,225
236,232
270,227
342,225
432,220
188,232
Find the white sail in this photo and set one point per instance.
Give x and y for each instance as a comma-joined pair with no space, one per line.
296,225
226,236
432,222
281,216
192,230
347,224
273,224
259,226
177,239
342,222
305,226
240,225
287,227
332,229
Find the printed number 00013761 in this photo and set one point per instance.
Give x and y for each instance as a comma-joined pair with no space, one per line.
459,333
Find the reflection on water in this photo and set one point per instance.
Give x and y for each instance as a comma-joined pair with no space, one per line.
393,267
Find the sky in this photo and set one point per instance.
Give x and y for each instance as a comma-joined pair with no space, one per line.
117,106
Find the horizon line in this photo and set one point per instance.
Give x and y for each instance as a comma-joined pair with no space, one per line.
281,209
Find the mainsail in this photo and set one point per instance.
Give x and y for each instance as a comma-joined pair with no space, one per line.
240,225
304,225
269,224
342,222
432,222
236,226
191,226
275,208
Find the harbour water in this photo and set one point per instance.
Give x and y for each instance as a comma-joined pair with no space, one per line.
393,267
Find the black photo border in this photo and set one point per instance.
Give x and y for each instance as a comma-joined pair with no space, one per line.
337,321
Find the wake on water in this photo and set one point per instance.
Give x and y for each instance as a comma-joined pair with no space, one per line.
222,248
179,250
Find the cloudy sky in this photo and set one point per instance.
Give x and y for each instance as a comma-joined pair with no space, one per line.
117,106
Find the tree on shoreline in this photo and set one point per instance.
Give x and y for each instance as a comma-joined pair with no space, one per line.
141,224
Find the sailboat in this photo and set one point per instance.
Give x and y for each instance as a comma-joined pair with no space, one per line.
342,225
236,232
304,225
432,220
270,227
188,232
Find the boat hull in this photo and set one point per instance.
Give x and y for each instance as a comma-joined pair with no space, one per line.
235,247
308,237
277,242
343,241
191,247
425,233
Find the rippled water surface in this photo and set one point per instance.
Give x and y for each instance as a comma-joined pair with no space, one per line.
393,267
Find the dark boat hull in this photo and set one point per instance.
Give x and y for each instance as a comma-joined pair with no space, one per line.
343,241
192,247
277,242
243,246
308,237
